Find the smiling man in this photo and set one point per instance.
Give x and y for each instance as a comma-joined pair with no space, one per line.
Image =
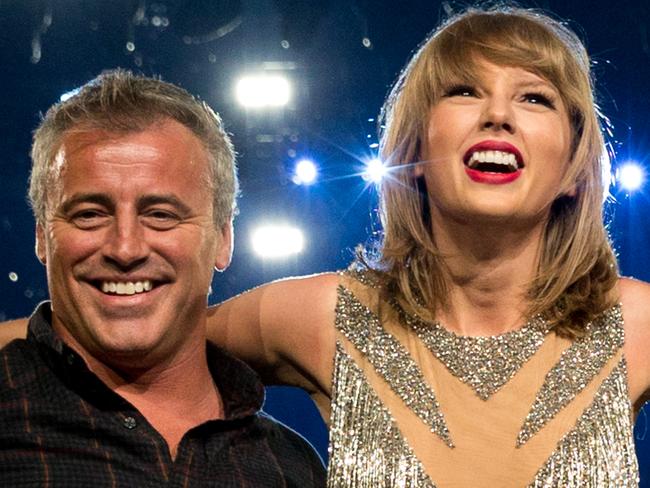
133,187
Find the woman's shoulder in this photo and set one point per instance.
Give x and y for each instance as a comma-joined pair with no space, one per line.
634,296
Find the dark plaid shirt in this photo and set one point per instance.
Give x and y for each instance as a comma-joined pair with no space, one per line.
60,426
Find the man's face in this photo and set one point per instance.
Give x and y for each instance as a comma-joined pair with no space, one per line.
130,243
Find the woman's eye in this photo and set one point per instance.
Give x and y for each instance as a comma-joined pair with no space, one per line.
539,99
460,91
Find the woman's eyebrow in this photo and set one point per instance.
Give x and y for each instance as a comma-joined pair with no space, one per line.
536,83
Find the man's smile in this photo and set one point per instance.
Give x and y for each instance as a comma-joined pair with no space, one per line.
126,287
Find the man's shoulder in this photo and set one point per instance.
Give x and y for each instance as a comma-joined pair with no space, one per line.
20,366
293,448
277,428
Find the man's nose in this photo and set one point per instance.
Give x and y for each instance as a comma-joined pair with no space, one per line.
126,246
498,114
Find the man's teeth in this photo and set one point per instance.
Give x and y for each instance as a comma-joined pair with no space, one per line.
126,287
495,157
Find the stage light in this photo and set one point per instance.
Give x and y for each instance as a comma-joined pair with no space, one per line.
375,171
259,91
277,241
305,172
630,176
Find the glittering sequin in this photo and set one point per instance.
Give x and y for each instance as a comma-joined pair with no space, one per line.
391,361
483,363
362,275
575,369
599,451
366,449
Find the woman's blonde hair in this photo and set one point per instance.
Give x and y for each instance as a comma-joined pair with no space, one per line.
577,268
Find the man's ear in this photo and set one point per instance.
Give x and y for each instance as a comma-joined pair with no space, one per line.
224,251
41,254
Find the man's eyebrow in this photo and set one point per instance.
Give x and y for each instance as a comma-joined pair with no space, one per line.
97,198
166,199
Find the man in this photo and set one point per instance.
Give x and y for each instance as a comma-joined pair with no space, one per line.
133,186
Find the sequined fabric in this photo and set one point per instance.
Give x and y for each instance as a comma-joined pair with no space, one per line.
366,447
590,446
603,433
484,363
390,360
575,369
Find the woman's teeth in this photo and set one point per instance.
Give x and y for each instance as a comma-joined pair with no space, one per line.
126,287
506,159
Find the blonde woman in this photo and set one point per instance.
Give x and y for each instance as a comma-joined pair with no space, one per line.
489,340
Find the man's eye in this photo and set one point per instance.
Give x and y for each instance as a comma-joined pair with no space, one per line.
88,219
161,219
460,91
539,99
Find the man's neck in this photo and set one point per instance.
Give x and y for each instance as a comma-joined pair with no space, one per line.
174,405
176,399
174,396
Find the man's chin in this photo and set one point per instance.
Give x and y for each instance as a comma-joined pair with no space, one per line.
132,358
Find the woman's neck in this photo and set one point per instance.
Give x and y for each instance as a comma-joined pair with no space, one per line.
489,270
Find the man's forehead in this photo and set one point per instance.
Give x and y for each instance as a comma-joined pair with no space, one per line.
105,147
164,158
83,135
166,141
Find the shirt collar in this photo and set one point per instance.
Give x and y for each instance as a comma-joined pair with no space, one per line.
240,388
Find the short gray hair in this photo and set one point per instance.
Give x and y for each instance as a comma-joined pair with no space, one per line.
120,101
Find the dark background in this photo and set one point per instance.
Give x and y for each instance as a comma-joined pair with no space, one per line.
50,47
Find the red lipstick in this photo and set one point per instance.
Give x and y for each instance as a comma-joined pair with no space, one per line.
493,177
495,146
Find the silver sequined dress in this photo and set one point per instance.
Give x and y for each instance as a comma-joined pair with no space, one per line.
414,405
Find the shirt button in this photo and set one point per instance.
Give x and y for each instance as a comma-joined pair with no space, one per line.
129,423
70,359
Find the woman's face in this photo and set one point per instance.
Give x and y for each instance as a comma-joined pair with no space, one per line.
496,151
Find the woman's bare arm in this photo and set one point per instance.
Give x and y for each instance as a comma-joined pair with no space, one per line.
14,329
635,299
284,329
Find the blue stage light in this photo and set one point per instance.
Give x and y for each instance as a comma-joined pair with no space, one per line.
305,172
274,241
261,91
630,176
375,171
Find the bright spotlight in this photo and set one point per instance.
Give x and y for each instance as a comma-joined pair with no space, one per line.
258,91
375,171
630,176
305,172
277,241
